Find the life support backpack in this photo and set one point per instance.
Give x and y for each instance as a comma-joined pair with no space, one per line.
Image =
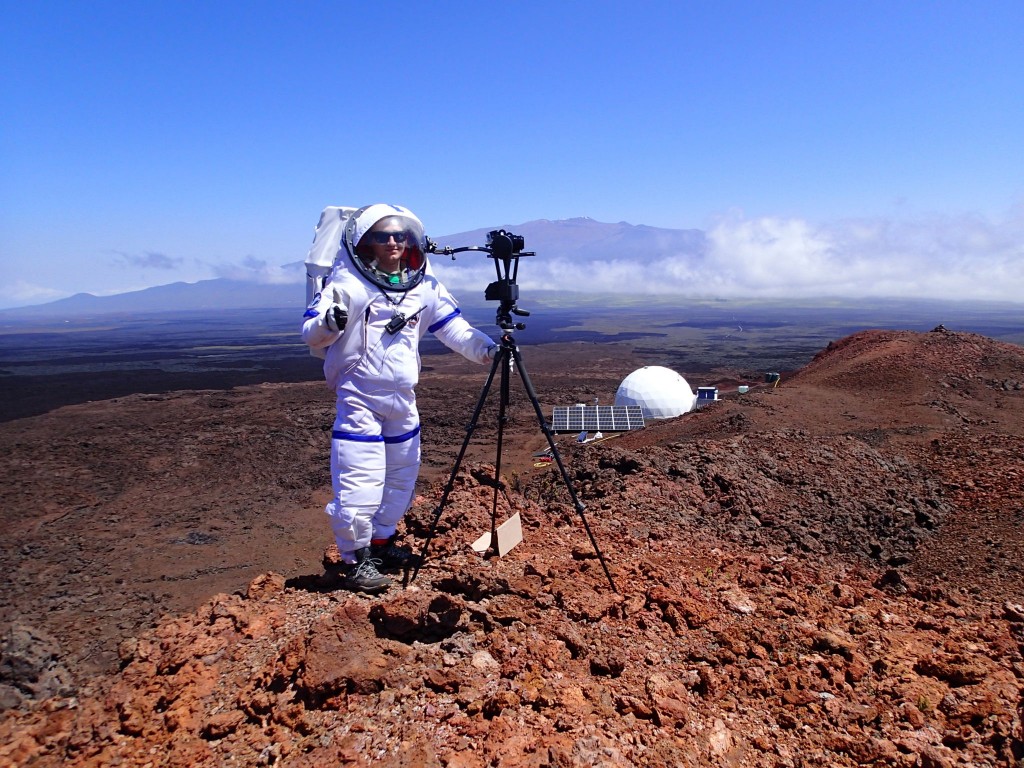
320,259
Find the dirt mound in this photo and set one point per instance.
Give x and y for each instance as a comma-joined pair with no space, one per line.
914,367
826,571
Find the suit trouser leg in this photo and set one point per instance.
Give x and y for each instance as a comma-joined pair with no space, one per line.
403,466
357,474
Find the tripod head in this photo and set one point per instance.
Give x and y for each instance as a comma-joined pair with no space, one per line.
506,249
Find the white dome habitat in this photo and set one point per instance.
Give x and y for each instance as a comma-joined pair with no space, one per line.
660,392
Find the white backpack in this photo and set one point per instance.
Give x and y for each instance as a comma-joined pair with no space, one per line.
320,259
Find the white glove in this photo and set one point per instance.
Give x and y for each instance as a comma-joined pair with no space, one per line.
492,351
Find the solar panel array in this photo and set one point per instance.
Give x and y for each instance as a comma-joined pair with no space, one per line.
597,418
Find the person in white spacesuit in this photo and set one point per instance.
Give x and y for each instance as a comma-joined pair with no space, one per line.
377,303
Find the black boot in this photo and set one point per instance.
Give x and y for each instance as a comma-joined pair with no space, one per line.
391,555
364,576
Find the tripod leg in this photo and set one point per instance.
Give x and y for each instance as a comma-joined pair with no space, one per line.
458,462
558,460
502,418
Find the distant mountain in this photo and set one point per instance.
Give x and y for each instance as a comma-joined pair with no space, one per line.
206,294
578,239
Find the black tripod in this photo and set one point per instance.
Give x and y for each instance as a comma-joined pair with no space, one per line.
505,249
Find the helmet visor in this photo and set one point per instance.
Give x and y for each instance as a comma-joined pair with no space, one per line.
390,252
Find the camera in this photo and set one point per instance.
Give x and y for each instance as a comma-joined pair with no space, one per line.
504,244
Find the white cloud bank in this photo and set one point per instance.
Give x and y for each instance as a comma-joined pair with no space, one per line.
944,257
940,257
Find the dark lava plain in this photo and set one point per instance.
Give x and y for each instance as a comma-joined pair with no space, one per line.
50,361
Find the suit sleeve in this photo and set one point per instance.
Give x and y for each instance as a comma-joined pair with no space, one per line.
456,333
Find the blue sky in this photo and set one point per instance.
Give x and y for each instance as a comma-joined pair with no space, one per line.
151,142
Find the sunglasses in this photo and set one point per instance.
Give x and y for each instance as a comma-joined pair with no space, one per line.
383,237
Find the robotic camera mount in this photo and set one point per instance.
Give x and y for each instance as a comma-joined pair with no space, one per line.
506,249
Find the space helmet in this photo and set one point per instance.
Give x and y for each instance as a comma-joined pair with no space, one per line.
356,240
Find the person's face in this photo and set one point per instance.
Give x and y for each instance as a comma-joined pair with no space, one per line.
387,243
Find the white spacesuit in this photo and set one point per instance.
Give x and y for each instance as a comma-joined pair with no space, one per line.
375,306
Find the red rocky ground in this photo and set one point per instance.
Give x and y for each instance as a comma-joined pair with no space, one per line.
827,572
